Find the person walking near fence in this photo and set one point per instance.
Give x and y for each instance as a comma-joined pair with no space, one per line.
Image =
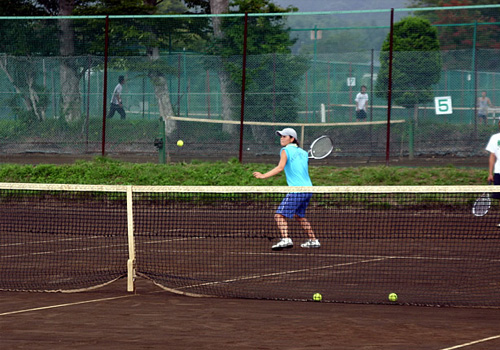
294,160
483,103
116,99
361,104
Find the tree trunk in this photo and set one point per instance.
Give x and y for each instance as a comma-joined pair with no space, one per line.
162,94
219,7
70,89
227,101
29,95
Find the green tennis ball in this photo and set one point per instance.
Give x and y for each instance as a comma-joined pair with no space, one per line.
393,297
317,297
180,143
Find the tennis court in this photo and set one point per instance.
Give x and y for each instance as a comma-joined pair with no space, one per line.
154,319
219,246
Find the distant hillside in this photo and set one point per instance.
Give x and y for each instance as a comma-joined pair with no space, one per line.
342,5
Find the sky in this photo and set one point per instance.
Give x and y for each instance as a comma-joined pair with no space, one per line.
342,5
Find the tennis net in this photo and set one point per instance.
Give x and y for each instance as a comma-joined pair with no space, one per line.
422,243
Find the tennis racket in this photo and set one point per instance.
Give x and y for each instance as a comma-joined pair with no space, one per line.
321,147
482,204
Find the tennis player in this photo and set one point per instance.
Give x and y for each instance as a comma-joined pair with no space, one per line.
294,161
493,147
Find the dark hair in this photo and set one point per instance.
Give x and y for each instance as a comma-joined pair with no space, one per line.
295,141
121,79
363,86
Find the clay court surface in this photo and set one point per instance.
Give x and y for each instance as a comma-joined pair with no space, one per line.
111,318
151,318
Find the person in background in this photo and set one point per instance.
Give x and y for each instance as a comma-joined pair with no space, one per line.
361,104
116,99
483,103
294,160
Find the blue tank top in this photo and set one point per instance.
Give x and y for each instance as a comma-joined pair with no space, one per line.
296,167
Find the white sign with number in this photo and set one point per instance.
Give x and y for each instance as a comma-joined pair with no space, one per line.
351,81
443,105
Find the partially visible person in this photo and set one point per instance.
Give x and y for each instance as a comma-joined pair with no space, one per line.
116,99
483,103
294,160
493,147
361,104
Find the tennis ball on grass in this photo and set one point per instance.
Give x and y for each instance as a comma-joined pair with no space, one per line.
317,297
393,297
180,143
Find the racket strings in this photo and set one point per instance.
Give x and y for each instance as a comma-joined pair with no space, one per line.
322,147
481,206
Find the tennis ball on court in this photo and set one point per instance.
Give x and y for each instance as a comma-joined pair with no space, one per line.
317,297
180,143
393,297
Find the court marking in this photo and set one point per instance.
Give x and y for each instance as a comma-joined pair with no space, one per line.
64,305
243,278
472,343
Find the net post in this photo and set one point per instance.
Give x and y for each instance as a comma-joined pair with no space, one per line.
131,243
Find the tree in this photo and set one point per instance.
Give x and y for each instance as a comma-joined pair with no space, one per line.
269,63
135,38
22,43
69,75
416,63
461,36
218,7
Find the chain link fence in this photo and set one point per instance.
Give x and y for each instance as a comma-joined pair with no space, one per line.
200,79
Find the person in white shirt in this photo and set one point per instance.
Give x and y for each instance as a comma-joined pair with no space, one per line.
361,104
116,99
493,147
483,103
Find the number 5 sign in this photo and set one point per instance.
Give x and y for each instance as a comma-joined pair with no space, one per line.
443,105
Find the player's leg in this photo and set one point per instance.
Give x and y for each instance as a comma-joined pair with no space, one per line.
282,225
112,111
285,210
300,215
121,111
312,242
306,226
482,118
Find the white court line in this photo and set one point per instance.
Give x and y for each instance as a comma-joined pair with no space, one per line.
64,305
280,273
472,343
64,251
47,241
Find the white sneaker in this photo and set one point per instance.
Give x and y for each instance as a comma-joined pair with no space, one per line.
311,244
283,243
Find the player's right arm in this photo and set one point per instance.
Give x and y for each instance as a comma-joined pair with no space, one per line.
278,169
491,167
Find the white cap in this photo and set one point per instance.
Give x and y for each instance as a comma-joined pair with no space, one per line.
287,132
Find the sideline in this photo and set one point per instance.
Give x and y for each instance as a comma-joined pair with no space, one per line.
472,343
64,305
